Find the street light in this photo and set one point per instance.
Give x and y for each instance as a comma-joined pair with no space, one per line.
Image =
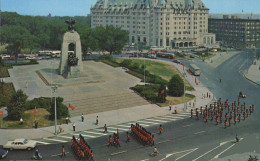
54,90
185,107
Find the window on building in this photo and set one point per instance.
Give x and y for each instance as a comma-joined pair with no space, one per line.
167,42
161,43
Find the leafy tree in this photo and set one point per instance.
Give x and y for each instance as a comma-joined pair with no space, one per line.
17,38
16,106
62,110
162,94
175,86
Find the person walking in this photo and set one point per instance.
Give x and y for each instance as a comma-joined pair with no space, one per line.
67,120
74,126
105,128
160,130
206,118
127,137
36,124
63,154
82,117
109,141
191,113
97,120
225,123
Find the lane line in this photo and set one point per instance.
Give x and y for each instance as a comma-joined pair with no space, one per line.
163,141
168,155
187,125
54,155
186,154
226,149
199,132
55,140
118,153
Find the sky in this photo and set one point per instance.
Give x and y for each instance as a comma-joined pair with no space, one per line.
82,7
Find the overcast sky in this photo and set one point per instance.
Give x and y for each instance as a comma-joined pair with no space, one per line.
82,7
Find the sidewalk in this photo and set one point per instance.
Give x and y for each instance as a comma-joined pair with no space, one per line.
220,57
114,117
253,73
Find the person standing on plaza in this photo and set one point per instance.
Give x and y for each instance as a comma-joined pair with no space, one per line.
74,126
160,130
63,152
82,117
105,128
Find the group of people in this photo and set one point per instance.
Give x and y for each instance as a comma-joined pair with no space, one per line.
142,135
81,149
224,112
114,141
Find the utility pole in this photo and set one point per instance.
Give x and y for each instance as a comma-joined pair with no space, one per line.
184,74
54,90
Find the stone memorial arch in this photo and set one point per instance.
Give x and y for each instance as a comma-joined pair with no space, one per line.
71,63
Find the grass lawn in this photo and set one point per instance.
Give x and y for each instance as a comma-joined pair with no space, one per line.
28,120
4,72
203,55
176,100
165,71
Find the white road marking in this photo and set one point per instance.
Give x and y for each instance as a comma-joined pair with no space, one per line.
65,137
148,122
168,155
176,117
199,132
187,125
118,153
163,141
42,142
118,128
226,149
54,155
88,136
156,120
186,154
55,140
91,132
166,118
109,131
124,125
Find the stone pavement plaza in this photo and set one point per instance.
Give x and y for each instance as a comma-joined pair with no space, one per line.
100,88
253,73
111,117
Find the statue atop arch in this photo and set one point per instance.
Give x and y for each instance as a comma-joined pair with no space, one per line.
71,24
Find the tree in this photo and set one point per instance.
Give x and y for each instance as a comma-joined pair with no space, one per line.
62,110
175,86
162,94
16,106
17,38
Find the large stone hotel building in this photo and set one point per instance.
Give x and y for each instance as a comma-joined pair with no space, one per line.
165,23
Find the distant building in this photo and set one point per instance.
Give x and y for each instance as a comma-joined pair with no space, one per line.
165,23
240,33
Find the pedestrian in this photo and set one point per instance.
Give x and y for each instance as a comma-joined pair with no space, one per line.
82,117
74,126
191,113
239,118
193,104
216,120
105,128
63,154
109,141
36,124
160,130
21,121
225,123
97,120
26,85
67,120
206,118
207,94
170,107
253,107
127,137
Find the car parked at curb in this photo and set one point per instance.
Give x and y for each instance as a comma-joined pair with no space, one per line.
3,153
20,144
176,61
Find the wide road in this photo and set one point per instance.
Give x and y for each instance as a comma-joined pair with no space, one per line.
186,139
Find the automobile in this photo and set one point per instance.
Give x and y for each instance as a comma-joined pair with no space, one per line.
30,58
20,144
191,56
176,61
241,95
3,153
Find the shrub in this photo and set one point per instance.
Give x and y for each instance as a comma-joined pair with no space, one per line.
106,57
62,110
161,98
126,63
175,87
147,91
33,61
38,103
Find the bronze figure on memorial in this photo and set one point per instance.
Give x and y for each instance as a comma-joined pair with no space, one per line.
71,24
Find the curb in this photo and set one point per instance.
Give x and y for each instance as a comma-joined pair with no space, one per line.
248,78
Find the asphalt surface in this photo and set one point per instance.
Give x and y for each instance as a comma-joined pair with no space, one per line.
186,139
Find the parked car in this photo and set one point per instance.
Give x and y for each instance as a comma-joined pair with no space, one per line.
176,61
3,153
241,95
20,144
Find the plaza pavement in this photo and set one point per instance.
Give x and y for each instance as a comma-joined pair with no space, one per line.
114,117
220,57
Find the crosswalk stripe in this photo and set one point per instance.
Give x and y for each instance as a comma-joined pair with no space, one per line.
109,131
88,136
148,122
65,137
124,125
183,114
55,140
91,132
176,117
156,120
42,142
117,128
172,119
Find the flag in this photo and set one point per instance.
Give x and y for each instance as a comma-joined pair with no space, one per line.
72,107
162,92
35,114
1,112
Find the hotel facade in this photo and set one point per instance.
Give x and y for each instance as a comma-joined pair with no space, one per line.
165,23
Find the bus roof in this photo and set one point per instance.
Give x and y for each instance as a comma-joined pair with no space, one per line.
194,66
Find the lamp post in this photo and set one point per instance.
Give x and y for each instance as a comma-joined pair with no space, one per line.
185,107
54,90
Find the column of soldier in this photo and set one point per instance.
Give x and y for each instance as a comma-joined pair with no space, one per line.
223,112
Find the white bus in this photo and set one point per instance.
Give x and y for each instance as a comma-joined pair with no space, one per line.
194,69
